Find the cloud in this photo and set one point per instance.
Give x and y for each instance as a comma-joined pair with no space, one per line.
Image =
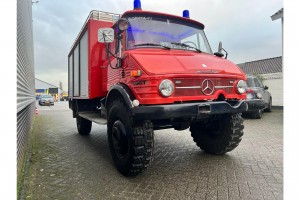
244,27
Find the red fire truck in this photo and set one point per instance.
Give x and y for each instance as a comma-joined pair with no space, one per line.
144,71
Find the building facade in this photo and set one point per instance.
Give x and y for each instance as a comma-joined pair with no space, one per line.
25,77
42,87
270,72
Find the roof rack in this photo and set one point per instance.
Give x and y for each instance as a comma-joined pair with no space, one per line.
100,16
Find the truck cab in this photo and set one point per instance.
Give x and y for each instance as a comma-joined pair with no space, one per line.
167,59
147,71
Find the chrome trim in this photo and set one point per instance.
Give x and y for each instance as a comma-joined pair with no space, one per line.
199,87
189,87
223,86
209,86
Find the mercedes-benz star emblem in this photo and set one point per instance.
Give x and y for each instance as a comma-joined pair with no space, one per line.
207,87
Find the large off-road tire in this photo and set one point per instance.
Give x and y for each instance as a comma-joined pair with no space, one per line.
84,126
131,144
269,108
218,135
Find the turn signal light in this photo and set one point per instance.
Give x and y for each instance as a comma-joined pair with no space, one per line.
136,73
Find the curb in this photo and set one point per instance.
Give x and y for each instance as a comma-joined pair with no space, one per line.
278,107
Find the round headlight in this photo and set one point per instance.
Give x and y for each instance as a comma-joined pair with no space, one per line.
166,88
241,87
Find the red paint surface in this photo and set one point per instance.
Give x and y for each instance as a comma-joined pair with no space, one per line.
189,67
179,65
158,61
97,57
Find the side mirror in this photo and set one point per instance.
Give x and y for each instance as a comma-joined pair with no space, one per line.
219,53
106,35
266,87
220,47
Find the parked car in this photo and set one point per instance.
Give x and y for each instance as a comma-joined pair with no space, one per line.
256,90
46,99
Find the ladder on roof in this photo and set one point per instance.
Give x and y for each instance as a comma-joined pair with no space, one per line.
103,16
100,16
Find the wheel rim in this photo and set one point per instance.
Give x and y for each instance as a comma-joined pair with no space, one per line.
119,139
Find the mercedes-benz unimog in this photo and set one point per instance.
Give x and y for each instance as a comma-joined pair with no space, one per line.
143,71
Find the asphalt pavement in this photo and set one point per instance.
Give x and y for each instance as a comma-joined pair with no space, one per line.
66,165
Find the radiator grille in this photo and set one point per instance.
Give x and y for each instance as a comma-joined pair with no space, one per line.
192,87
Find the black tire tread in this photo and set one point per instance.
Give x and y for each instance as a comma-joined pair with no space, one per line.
142,139
230,138
84,127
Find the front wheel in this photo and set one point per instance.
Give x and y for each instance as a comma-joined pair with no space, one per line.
218,135
131,144
257,114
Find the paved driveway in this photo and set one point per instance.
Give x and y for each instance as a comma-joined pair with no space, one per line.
66,165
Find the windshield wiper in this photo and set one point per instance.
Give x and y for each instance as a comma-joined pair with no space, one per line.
151,44
186,45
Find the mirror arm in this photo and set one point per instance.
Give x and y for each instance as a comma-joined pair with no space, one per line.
119,57
225,52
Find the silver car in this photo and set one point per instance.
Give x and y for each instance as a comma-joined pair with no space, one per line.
46,99
256,90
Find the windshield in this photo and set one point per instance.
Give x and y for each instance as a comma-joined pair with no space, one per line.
46,96
147,30
250,82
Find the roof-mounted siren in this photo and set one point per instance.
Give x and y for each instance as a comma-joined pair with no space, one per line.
137,5
186,14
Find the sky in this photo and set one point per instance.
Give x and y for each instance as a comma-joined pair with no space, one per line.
244,27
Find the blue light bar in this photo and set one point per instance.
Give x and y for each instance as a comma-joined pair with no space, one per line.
137,5
186,14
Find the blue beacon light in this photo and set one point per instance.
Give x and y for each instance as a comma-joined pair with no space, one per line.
137,5
186,14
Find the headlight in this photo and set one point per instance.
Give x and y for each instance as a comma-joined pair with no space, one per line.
241,87
166,88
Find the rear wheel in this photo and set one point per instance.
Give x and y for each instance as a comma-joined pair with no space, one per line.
84,126
219,135
131,144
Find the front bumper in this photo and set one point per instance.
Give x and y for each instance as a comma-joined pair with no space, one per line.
193,110
46,103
